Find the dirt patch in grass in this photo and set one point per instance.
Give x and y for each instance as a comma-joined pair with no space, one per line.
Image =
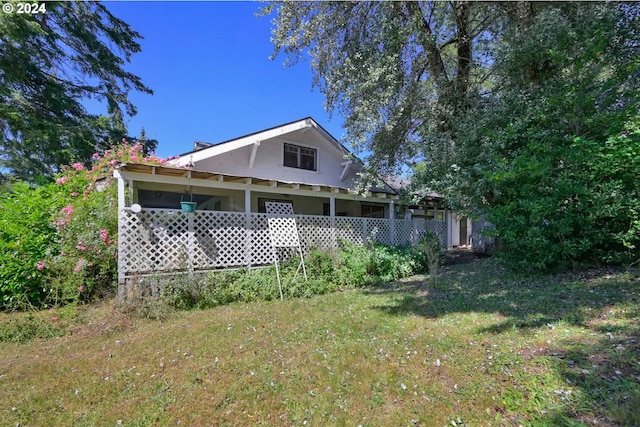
461,255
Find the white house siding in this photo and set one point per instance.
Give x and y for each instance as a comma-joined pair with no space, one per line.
269,159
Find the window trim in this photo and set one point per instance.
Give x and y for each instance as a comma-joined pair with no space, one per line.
299,158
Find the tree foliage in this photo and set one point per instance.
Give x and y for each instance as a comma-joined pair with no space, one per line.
399,72
49,64
522,111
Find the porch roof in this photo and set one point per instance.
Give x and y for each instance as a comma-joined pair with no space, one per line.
182,176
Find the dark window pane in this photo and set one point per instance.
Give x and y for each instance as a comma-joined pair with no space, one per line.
308,161
290,159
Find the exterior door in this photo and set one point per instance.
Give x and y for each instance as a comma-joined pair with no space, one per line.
463,231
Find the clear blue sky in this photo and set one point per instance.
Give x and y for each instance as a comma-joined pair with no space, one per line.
208,65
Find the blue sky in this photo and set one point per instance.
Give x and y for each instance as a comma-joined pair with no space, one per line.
208,65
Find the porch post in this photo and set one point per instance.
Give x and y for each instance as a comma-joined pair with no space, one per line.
190,241
436,229
332,215
392,218
121,236
247,226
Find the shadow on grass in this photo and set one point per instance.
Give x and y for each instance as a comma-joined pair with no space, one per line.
605,368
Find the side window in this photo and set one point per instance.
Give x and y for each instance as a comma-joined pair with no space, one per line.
373,211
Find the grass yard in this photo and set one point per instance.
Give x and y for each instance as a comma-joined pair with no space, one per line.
478,348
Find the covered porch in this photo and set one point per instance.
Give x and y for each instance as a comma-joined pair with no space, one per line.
229,228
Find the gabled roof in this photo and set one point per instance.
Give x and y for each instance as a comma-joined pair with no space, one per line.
203,150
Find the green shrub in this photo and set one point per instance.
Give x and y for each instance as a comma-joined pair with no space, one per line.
27,241
431,251
350,266
58,242
570,204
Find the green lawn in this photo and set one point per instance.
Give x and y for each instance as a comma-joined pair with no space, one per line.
480,347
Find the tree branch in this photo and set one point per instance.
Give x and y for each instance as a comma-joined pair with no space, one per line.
428,42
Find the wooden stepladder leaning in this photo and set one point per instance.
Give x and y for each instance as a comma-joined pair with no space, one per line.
283,233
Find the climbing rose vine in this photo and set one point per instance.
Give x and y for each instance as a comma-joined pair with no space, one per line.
59,241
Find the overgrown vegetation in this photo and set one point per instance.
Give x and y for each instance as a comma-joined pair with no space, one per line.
351,266
481,347
526,113
57,241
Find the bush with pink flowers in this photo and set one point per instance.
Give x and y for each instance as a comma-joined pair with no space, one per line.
59,241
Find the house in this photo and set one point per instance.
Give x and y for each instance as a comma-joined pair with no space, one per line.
298,162
230,182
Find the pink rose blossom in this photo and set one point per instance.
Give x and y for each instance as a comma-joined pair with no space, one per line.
67,210
62,180
95,156
40,265
81,247
134,158
81,288
74,194
104,235
80,265
77,166
54,319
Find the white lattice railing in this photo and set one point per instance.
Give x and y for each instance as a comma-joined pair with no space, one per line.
166,240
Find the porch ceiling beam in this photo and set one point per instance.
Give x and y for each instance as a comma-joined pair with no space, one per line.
316,188
238,184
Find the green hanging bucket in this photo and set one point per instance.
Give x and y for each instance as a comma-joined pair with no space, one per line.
188,206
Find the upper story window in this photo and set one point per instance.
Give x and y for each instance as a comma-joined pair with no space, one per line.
300,157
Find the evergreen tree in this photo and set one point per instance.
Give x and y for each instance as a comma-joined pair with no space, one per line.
49,63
